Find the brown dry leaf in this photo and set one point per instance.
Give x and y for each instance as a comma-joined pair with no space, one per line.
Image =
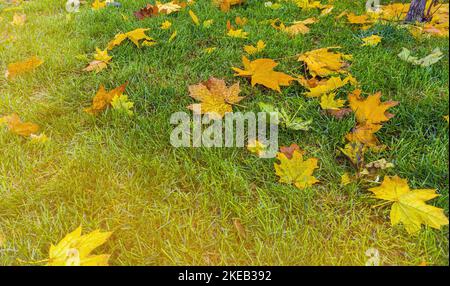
216,98
15,125
261,72
340,113
289,151
25,66
104,98
239,227
146,12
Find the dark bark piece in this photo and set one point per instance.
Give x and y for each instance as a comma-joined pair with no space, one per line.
416,11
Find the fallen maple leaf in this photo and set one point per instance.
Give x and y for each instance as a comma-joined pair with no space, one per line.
371,40
15,125
15,69
136,36
365,134
100,62
261,72
225,5
370,110
257,148
340,113
239,33
289,151
409,206
146,12
216,98
169,7
328,101
296,170
104,98
18,19
322,62
435,56
97,5
166,25
251,50
355,152
326,86
299,27
75,249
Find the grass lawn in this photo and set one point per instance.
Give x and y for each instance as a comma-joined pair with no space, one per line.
177,206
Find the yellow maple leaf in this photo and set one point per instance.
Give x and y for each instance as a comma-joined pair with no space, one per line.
75,249
103,99
371,40
328,101
166,25
322,62
225,5
97,5
216,98
15,69
359,20
135,36
261,72
15,125
296,171
239,33
409,206
345,179
256,147
365,134
169,7
100,62
370,110
299,27
326,85
251,50
355,152
19,19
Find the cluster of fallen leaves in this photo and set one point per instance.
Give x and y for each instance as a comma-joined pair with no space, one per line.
326,71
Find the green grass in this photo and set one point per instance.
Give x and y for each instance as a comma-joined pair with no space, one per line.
175,206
